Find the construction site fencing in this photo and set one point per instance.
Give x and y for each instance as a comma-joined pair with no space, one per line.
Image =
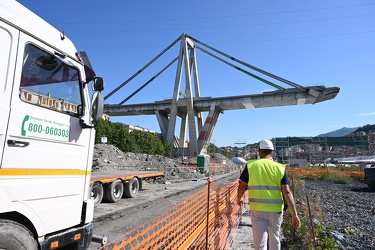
208,219
216,168
322,172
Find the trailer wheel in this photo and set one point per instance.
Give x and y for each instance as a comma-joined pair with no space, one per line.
97,193
131,188
15,236
113,192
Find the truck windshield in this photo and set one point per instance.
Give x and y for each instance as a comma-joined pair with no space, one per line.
50,82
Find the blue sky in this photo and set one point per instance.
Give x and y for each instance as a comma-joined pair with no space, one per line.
319,42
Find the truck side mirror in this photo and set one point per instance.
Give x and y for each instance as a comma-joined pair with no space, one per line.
97,107
98,84
97,104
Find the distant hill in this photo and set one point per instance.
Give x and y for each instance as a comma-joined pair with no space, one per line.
340,132
367,128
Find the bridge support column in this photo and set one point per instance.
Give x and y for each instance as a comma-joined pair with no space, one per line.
162,118
208,129
184,108
182,138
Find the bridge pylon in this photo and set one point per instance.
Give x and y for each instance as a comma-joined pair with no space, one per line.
189,117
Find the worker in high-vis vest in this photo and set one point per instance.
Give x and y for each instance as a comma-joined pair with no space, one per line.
267,183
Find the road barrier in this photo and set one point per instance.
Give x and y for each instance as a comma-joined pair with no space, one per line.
207,219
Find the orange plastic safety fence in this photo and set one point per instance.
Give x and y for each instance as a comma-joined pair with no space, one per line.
184,226
215,168
320,172
224,218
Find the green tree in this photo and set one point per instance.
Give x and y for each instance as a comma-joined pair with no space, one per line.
103,129
142,142
135,141
367,128
159,145
228,154
213,149
118,137
167,149
129,144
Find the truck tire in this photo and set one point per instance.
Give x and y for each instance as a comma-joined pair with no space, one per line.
97,192
15,236
113,192
131,188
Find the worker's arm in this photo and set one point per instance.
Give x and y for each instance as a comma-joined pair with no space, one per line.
240,191
290,199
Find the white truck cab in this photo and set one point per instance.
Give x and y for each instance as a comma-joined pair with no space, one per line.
46,134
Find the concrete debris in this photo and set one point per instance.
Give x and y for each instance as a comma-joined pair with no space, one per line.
110,158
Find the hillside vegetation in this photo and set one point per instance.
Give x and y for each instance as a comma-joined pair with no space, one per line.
136,141
367,128
139,142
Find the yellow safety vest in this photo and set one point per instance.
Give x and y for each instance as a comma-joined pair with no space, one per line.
265,185
250,161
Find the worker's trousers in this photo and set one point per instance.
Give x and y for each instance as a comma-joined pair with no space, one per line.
266,226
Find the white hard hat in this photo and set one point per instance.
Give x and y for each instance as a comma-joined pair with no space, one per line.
266,144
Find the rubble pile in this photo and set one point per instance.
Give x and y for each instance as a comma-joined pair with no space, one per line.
110,158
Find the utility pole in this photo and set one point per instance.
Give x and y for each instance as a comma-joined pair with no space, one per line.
239,143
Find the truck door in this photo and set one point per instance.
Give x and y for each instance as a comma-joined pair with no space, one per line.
46,149
8,48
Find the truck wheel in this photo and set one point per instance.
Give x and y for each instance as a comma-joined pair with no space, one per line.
131,188
97,193
113,192
15,236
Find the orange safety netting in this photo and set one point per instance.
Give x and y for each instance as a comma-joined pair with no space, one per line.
184,226
215,168
321,172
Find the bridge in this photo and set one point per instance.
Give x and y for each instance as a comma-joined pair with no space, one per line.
189,106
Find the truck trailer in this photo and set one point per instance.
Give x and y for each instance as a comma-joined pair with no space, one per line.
111,186
46,134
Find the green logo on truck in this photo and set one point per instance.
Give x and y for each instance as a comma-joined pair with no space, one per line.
42,128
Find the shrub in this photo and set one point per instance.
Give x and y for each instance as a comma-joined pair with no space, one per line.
337,178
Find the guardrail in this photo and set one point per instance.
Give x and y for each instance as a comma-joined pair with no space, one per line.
207,219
